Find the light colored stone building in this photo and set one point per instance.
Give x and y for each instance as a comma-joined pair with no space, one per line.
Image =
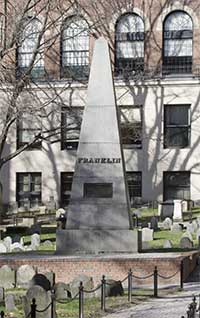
156,61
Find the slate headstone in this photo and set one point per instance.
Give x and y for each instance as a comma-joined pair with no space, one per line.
114,288
7,277
40,280
176,227
3,248
35,228
16,238
24,275
167,223
7,241
2,295
43,299
154,223
62,291
10,302
185,242
167,244
147,234
87,283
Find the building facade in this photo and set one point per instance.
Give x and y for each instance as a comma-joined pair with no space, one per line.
155,50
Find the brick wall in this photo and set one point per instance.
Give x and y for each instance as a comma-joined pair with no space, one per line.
66,268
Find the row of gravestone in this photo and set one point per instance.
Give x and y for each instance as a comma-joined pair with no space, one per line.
16,244
41,287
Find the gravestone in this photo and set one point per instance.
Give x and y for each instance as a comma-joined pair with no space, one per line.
7,241
167,223
88,284
16,239
154,223
40,280
177,213
98,217
47,243
59,212
185,242
145,245
176,227
147,234
24,275
35,228
62,291
2,296
3,248
51,278
190,228
35,241
114,288
7,277
195,225
167,244
10,302
16,247
187,234
43,299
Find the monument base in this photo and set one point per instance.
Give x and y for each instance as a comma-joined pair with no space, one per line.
96,241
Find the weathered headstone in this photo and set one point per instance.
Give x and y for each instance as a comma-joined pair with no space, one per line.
176,227
35,240
3,248
40,280
62,291
187,234
185,242
147,234
43,299
24,275
51,278
59,212
195,225
177,213
16,247
10,302
35,228
167,244
190,228
7,241
87,283
98,217
114,288
145,245
7,277
167,223
154,223
2,295
47,243
16,239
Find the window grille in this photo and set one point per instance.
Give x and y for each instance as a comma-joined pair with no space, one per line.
28,44
178,43
129,44
75,48
29,189
71,119
131,126
66,186
177,127
28,127
177,185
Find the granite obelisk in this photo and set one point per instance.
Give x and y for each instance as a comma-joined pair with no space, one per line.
98,218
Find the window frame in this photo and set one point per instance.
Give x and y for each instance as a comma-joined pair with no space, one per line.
65,144
65,197
129,66
177,187
174,64
27,196
166,143
139,127
134,188
74,70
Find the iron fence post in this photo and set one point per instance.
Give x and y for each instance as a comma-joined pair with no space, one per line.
52,303
103,293
130,277
33,308
2,314
181,275
155,281
81,300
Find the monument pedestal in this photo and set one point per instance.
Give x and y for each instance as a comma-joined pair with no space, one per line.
96,241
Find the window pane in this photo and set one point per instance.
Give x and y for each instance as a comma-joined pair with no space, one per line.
131,125
66,185
134,180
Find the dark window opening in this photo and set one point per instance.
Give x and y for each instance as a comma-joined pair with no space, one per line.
134,181
29,191
177,185
66,186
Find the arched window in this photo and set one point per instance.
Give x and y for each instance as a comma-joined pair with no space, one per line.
129,44
75,48
178,37
28,46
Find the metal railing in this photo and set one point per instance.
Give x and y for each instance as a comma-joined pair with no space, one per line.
155,275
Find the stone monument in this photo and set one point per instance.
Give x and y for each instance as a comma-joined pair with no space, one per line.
98,218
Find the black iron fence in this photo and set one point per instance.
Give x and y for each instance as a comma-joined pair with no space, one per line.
155,275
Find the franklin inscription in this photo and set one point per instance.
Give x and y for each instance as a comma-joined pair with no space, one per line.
99,160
